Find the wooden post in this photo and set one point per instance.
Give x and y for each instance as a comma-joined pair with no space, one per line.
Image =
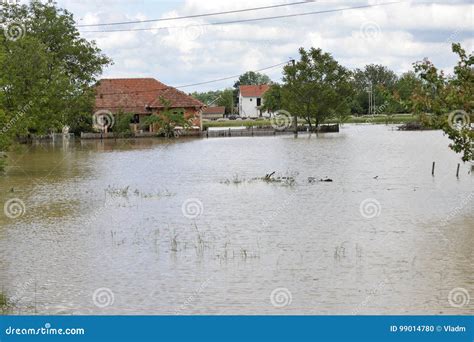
295,118
457,171
433,168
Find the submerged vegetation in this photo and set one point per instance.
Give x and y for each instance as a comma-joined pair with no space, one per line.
128,192
364,119
3,300
4,304
288,179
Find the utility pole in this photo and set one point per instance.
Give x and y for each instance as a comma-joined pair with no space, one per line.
295,118
371,100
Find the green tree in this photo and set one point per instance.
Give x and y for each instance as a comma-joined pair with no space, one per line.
272,99
404,89
252,78
223,98
316,88
449,99
168,119
208,98
122,124
378,79
48,70
226,99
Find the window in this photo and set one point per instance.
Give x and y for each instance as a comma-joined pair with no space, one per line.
251,100
259,101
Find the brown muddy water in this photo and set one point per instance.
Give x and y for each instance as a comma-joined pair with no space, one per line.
188,226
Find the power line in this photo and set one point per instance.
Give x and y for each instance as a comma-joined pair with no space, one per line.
228,78
197,15
247,20
192,85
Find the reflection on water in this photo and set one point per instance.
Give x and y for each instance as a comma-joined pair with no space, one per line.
189,226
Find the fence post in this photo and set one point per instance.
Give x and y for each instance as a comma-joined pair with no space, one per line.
433,168
457,171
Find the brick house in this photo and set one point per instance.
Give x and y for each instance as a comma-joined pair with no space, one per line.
251,100
213,113
141,97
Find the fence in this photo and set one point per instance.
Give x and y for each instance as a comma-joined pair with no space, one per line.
267,131
100,136
244,132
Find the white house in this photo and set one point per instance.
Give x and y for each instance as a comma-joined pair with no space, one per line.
251,100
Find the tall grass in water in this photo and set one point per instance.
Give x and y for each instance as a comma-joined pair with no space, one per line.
174,242
199,243
3,303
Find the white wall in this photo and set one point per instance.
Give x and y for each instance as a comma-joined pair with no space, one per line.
248,107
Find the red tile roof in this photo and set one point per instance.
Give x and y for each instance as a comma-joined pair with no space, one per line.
135,95
214,110
254,90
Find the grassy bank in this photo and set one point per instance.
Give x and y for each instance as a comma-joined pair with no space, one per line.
3,303
379,119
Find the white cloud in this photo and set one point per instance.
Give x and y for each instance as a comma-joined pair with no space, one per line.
395,35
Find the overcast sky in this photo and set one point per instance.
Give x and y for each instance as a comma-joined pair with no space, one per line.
395,35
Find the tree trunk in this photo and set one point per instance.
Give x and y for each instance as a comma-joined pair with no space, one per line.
308,120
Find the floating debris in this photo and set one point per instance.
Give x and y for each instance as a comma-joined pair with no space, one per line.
269,176
285,180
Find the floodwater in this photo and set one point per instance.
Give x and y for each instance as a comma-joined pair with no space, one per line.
189,226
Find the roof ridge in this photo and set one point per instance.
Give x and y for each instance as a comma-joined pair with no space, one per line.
140,93
128,78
